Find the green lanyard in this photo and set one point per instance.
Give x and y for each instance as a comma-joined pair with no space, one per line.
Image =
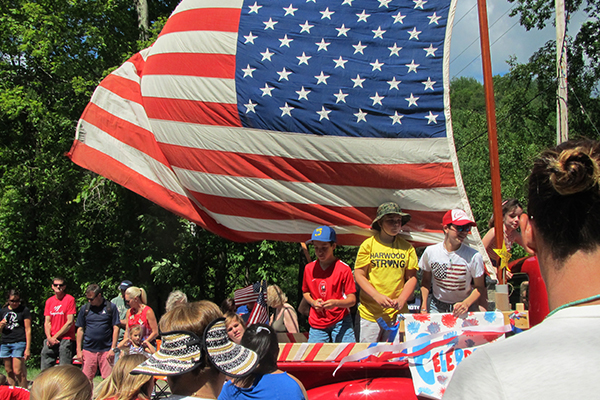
573,303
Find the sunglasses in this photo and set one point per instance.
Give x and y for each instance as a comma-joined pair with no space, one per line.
14,301
58,284
92,298
462,228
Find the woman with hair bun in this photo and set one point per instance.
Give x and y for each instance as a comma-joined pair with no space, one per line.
267,382
557,358
140,314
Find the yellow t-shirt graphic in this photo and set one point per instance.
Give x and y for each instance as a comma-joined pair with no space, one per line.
385,268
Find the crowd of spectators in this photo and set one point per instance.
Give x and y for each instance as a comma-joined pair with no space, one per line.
207,352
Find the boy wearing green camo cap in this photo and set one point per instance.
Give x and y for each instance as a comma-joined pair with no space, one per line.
386,271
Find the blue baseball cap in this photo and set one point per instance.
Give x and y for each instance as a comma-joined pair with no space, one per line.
323,234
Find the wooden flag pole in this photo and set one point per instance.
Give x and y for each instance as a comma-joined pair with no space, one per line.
488,85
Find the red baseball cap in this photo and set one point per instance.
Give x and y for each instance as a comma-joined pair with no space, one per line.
457,217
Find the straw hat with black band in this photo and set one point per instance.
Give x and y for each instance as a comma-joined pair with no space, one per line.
183,351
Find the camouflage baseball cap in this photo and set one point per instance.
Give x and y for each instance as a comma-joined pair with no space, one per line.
390,208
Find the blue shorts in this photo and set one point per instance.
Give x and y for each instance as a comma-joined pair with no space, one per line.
13,350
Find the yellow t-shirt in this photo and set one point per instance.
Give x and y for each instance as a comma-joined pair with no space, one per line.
385,267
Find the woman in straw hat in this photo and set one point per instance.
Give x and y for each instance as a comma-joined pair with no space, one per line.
196,355
267,382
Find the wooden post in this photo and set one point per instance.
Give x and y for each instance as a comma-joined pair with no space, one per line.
490,105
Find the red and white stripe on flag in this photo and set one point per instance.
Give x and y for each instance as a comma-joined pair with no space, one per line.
245,296
166,125
260,313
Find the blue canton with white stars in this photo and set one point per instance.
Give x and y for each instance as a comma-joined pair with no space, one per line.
362,68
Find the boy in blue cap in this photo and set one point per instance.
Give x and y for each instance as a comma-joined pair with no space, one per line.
328,287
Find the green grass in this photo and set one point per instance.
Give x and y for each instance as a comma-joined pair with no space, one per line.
32,373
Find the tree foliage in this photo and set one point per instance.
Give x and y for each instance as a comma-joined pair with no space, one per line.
57,219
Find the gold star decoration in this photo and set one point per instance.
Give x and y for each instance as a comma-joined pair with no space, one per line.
504,256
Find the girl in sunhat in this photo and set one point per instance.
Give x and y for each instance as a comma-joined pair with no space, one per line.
196,355
386,271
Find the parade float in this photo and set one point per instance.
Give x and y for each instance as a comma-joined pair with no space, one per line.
260,120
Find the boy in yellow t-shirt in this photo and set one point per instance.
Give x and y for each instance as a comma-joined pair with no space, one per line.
386,271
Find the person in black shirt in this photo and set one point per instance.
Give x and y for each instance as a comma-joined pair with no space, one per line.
15,344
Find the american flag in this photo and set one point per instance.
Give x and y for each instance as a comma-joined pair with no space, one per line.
264,119
246,295
260,312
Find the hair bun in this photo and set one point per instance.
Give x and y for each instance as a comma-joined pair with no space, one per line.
574,171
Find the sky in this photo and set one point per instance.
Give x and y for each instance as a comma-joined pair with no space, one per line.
510,38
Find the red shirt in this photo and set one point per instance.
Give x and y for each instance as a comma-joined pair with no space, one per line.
13,393
58,310
333,283
140,319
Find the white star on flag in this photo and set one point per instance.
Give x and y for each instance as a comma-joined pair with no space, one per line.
399,18
322,78
305,27
394,83
303,94
433,19
267,90
358,81
286,110
290,10
419,3
363,16
342,30
412,100
250,106
327,14
412,67
428,83
378,33
340,62
340,96
376,65
360,116
270,24
284,74
248,71
431,118
266,55
430,50
396,118
323,113
303,59
250,38
414,34
285,41
377,99
358,48
254,8
395,50
322,45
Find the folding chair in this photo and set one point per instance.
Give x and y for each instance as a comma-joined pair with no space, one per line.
161,386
